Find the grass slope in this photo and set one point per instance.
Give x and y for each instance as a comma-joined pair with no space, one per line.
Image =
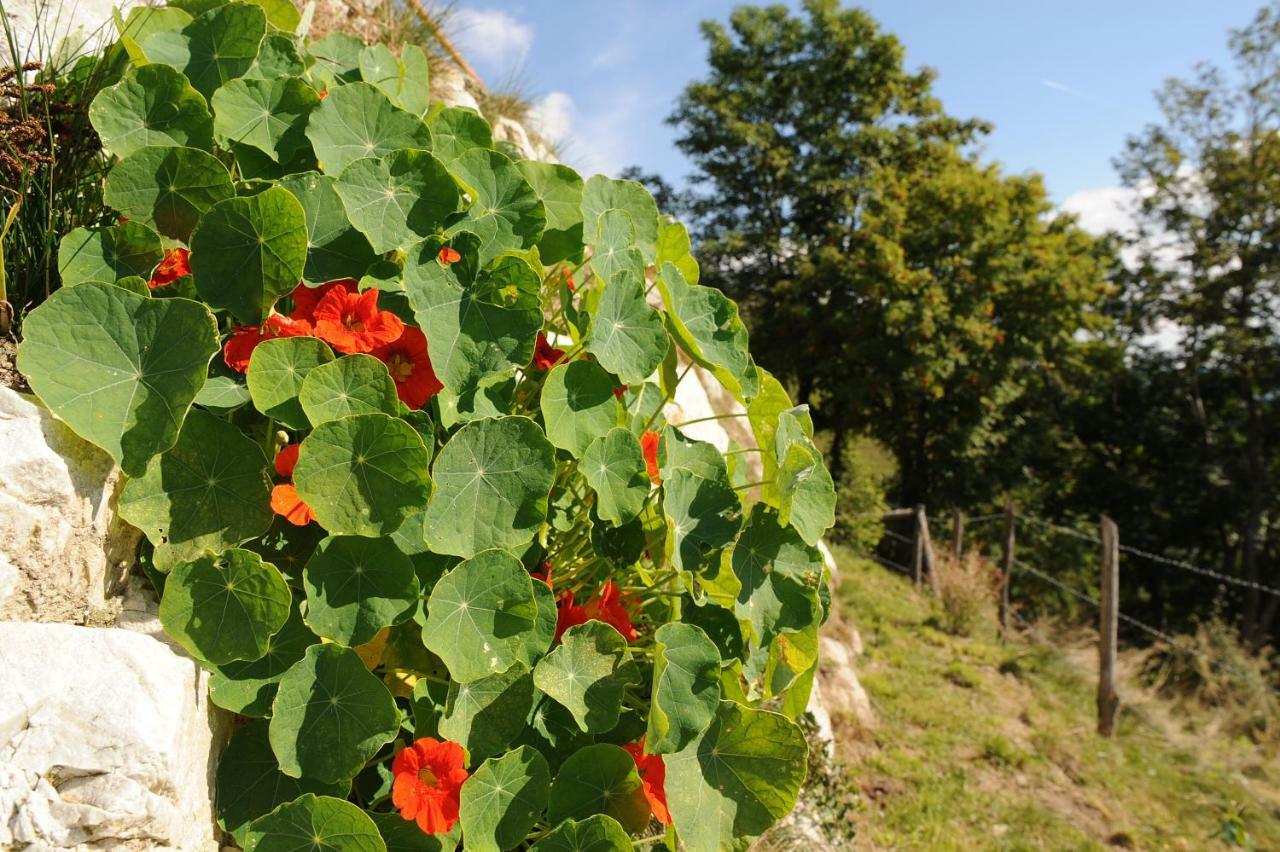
983,745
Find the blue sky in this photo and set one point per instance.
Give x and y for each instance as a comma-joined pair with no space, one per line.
1063,82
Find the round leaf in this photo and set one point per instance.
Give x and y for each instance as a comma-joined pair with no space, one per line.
168,188
357,121
597,833
357,586
353,384
336,249
398,199
277,57
364,474
779,575
706,323
317,824
627,335
481,615
686,687
487,714
503,799
736,779
248,252
599,779
455,130
492,479
614,467
222,44
330,716
578,405
108,254
224,608
277,370
601,194
560,190
805,492
505,213
587,675
210,491
403,835
248,687
152,105
269,115
120,369
251,784
702,510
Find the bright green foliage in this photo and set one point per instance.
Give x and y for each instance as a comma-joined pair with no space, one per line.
423,483
224,608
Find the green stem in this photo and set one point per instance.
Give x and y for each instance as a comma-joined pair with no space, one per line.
667,398
712,417
744,450
752,485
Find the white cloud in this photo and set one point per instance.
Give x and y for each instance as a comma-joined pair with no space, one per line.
552,116
595,142
1108,208
491,38
1063,87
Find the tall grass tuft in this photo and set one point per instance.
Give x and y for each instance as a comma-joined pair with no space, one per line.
967,588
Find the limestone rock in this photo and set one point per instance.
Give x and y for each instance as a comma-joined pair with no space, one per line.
449,85
838,680
63,553
67,28
107,741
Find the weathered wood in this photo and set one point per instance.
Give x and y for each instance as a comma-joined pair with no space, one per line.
1006,567
1108,700
917,549
898,514
925,559
957,533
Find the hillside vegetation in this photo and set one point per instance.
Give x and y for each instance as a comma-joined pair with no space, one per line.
984,745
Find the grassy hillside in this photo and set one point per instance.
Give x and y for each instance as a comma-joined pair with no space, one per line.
983,745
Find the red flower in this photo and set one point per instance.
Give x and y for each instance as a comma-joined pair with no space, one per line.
653,777
306,298
245,338
568,614
409,363
619,391
352,323
176,264
649,445
428,781
568,280
545,356
448,256
287,460
324,94
284,497
609,607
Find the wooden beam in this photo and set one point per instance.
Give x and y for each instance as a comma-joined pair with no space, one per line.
1108,700
957,533
1006,567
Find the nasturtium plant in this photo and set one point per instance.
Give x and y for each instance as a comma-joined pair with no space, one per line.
391,405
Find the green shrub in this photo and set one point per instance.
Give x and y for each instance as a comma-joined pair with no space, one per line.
967,589
867,472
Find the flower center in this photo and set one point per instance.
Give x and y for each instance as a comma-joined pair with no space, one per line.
400,367
428,776
353,324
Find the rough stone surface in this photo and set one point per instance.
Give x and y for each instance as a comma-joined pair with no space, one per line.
837,678
63,28
449,84
699,395
63,554
105,742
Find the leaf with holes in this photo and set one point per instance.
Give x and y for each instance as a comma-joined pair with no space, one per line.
503,799
168,188
398,199
357,586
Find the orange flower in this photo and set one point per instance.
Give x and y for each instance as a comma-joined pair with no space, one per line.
324,94
287,460
568,280
245,338
545,356
448,256
409,363
352,323
284,497
306,298
428,781
176,264
568,614
609,607
649,445
653,778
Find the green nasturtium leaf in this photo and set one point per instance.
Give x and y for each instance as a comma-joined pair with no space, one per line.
482,615
486,715
477,324
505,212
222,393
151,34
736,779
627,335
560,189
614,256
686,687
248,687
335,249
674,247
587,675
357,121
702,510
353,384
456,130
250,783
357,586
806,495
779,575
363,474
210,491
337,57
222,44
277,370
404,80
248,252
403,835
315,823
168,188
598,833
108,254
578,405
601,194
397,199
269,115
706,323
152,105
503,799
277,57
281,14
762,414
599,779
492,479
330,716
120,369
614,467
226,607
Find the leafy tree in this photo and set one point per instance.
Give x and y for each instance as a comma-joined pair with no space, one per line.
902,288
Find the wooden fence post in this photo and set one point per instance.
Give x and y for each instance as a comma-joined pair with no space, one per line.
1108,701
926,560
1006,567
917,554
957,533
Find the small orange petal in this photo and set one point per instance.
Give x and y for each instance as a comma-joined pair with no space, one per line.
286,502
